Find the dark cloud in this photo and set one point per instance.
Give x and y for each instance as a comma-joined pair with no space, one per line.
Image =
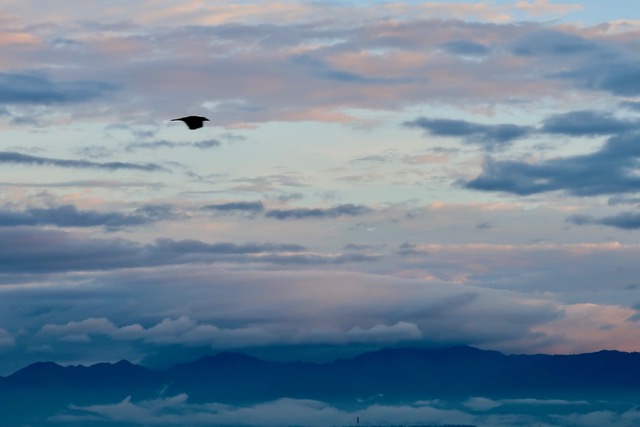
210,143
607,171
251,207
38,89
314,259
597,65
33,251
41,251
186,247
18,158
466,48
623,220
574,123
617,76
484,226
318,213
410,249
580,219
587,123
357,248
550,42
69,216
490,136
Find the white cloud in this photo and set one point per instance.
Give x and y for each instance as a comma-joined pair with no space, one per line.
481,403
401,331
177,410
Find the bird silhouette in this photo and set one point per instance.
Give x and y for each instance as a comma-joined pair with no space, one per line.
194,122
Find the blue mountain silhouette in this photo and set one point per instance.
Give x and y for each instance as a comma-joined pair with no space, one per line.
393,375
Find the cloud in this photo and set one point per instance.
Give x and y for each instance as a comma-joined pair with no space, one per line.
231,207
320,68
489,136
318,213
25,159
623,200
282,306
631,105
70,216
286,411
618,76
177,247
609,170
587,123
254,66
573,123
262,184
179,410
517,298
401,331
63,251
481,403
210,143
38,89
187,331
95,183
182,331
553,43
410,249
257,207
466,48
623,220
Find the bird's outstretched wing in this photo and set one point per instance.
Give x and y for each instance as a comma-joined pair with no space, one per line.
193,122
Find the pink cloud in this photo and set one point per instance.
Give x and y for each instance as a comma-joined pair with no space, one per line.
590,327
16,37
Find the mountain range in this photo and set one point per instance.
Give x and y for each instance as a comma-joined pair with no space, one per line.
389,375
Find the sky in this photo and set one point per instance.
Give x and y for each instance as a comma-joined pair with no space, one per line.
373,174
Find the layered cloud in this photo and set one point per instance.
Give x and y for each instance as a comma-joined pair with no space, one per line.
39,89
623,220
475,411
252,67
302,213
70,216
492,136
610,170
280,412
26,159
581,123
209,143
64,251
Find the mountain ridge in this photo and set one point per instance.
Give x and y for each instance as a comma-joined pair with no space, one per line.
394,376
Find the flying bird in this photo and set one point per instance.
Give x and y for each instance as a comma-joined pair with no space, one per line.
194,122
